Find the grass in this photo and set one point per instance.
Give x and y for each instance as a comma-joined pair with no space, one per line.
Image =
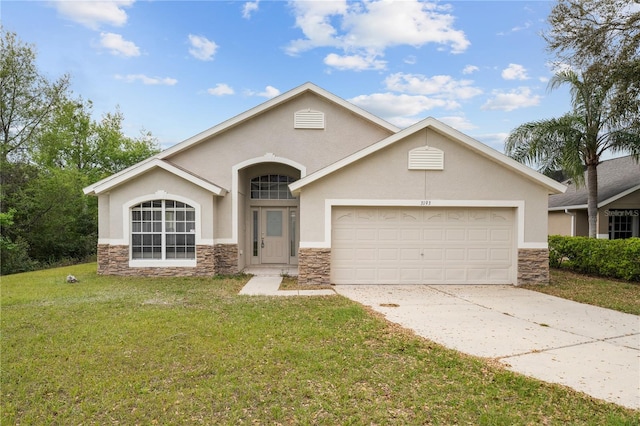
111,350
623,296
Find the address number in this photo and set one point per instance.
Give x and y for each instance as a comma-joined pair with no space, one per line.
425,202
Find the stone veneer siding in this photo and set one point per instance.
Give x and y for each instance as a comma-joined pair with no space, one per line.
314,266
533,266
114,260
226,259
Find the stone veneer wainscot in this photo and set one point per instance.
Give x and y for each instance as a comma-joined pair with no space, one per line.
533,266
314,266
114,260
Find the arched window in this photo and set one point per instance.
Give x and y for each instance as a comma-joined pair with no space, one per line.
162,230
271,187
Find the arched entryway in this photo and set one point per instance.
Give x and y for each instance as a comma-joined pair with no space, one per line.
270,235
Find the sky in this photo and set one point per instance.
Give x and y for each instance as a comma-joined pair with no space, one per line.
177,68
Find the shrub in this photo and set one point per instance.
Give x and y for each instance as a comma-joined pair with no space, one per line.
607,258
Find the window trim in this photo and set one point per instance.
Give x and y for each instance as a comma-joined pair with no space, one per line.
160,263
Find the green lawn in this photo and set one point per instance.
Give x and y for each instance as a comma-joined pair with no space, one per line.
623,296
191,351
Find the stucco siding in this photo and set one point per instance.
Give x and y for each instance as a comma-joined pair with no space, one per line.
155,184
560,223
385,175
273,132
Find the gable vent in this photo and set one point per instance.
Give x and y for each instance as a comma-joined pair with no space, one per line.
308,119
426,158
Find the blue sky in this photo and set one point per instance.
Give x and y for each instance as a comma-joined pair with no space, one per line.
176,68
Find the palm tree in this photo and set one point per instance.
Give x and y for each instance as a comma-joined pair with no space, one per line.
577,140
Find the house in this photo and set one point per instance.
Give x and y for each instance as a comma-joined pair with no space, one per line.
311,180
618,203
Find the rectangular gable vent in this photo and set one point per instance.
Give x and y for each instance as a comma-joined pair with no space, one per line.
308,119
426,158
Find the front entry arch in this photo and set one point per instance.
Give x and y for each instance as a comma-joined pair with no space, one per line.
271,214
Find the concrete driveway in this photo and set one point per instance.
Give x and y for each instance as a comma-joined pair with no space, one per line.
590,349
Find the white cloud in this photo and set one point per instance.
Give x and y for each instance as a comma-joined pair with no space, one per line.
470,69
439,86
269,92
515,72
221,89
153,81
366,29
118,45
202,48
354,62
249,7
458,122
516,29
514,99
399,108
494,140
411,60
93,14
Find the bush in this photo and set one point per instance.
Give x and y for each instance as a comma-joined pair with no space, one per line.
607,258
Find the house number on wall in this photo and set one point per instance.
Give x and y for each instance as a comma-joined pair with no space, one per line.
425,202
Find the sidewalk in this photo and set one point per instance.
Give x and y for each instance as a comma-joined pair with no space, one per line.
268,285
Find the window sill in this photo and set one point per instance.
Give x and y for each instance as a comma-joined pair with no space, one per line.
172,263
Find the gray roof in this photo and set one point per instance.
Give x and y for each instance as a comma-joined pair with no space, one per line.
615,176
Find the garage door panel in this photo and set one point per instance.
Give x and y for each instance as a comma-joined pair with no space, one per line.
388,275
478,254
500,235
457,254
455,275
499,254
431,234
423,245
363,275
412,275
388,234
344,234
410,235
433,275
389,254
455,234
497,274
481,234
366,234
477,274
432,254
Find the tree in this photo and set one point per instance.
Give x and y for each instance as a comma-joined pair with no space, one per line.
26,97
71,140
578,139
603,38
49,150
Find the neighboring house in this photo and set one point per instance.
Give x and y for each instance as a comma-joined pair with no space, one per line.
309,179
618,203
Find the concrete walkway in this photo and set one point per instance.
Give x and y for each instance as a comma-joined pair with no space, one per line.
590,349
266,282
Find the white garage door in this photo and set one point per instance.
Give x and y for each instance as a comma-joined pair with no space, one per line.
409,245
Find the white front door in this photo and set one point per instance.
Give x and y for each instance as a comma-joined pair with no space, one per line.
274,240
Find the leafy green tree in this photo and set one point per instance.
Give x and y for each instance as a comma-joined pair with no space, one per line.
72,140
50,149
26,97
601,37
577,140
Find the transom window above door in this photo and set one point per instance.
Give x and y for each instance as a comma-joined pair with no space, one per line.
271,187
